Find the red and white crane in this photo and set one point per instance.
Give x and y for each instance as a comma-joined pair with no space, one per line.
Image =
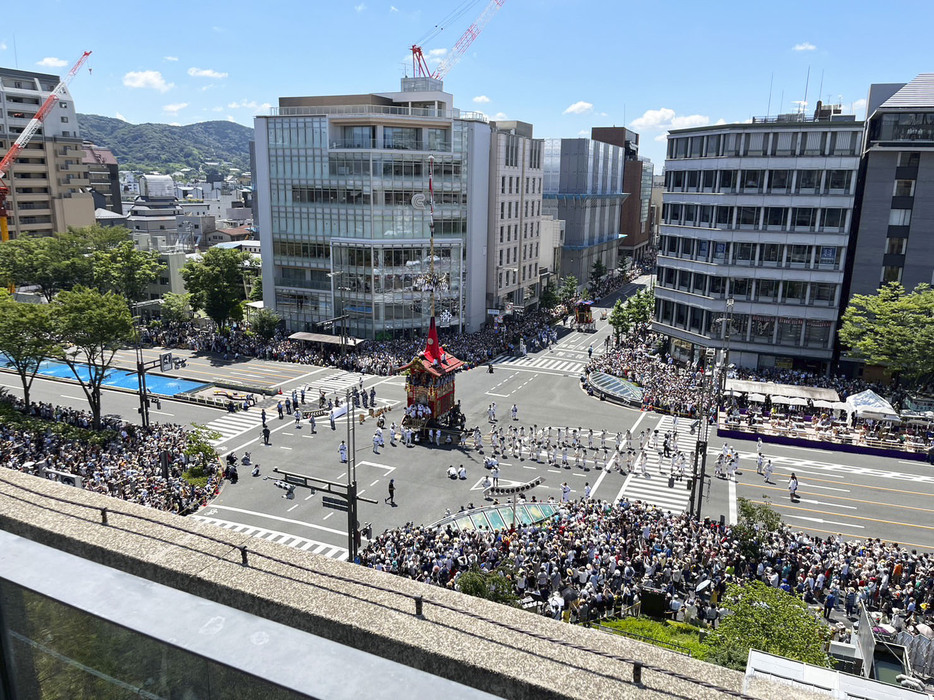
420,66
31,128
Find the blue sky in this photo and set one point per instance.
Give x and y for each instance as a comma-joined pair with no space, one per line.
563,65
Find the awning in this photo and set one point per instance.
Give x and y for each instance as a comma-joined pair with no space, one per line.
326,339
868,404
772,389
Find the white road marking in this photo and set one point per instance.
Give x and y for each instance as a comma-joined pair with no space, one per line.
308,374
824,522
281,519
292,508
732,495
327,516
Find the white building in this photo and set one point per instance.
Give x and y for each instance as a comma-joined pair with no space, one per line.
341,191
753,240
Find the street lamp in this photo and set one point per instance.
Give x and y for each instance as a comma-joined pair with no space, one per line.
340,288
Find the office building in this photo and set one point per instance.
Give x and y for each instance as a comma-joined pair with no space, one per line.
583,185
515,237
48,181
104,177
753,241
893,241
341,198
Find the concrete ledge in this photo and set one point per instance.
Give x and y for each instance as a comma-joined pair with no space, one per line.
494,648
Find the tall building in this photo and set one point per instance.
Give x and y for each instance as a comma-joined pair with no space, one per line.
513,266
893,241
48,180
637,184
583,185
104,177
341,200
753,241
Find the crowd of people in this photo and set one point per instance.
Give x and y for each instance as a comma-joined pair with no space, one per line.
126,464
596,559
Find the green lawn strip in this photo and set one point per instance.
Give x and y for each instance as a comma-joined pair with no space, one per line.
688,637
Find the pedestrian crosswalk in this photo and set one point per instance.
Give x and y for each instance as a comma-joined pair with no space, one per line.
654,488
231,425
313,546
546,362
336,382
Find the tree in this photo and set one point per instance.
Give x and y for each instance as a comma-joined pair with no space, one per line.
619,319
26,338
126,271
568,289
496,585
548,299
754,524
892,328
597,270
201,454
770,620
641,307
176,308
256,289
91,327
216,283
264,323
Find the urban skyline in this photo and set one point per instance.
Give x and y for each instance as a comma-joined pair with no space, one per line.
611,65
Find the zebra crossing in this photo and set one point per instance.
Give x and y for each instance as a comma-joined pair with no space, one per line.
232,425
556,365
313,546
337,382
654,488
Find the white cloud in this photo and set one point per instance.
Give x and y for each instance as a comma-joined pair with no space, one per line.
251,104
662,137
52,62
500,117
653,118
583,132
359,8
2,46
217,109
174,124
689,120
147,79
436,53
481,99
859,108
230,118
393,8
205,73
580,107
170,58
175,108
804,46
120,117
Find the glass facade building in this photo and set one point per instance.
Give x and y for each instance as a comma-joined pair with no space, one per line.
342,193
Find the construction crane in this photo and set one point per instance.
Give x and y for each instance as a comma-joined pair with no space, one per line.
420,66
31,128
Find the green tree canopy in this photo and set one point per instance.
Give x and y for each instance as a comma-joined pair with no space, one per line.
90,327
641,307
264,323
176,308
892,328
124,270
26,338
568,290
770,620
619,319
496,585
215,283
548,299
755,523
597,270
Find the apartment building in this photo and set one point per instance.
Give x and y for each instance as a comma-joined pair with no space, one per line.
342,202
755,225
48,181
103,177
583,185
515,237
892,239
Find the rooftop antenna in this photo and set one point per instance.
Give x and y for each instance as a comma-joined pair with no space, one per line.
807,82
768,110
781,101
820,89
15,54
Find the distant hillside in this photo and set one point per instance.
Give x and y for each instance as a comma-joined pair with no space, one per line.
164,148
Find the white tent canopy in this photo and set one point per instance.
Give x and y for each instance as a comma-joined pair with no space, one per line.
868,404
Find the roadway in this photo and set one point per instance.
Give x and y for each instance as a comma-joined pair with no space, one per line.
855,495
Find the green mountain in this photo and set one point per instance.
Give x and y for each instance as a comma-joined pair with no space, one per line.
165,148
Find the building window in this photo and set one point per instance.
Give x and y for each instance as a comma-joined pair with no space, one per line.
749,217
766,290
823,293
752,179
834,219
727,180
775,217
500,234
799,254
64,120
779,180
804,218
904,188
896,246
900,217
838,180
710,177
909,160
891,273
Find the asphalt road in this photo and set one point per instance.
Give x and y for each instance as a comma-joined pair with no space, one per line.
854,495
